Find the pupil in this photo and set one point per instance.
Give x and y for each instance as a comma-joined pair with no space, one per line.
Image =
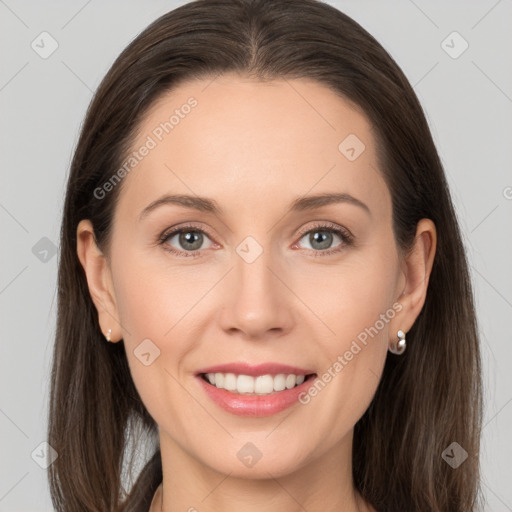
324,239
189,237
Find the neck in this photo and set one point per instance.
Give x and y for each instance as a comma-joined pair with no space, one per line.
323,484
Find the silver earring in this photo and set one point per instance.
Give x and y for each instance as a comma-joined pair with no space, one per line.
107,336
398,347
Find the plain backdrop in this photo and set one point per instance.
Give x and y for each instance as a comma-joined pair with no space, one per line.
467,96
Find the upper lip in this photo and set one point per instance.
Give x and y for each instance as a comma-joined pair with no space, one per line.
242,368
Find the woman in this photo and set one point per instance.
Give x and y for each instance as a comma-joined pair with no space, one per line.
262,270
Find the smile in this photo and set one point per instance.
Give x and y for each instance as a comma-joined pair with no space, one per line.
243,400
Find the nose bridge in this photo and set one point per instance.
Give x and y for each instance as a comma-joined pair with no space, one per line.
258,299
255,282
252,267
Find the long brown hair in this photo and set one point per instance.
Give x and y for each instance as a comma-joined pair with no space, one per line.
427,398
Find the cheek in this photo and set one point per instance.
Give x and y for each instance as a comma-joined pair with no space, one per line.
350,298
366,297
150,299
355,306
140,304
149,312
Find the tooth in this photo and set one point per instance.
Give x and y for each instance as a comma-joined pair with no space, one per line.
260,385
290,381
279,382
264,384
219,380
245,384
230,381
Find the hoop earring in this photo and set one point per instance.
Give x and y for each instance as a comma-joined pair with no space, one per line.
107,336
398,347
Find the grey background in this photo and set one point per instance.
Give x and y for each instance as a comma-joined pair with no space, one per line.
468,101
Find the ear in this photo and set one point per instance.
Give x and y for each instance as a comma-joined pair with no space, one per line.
99,279
417,266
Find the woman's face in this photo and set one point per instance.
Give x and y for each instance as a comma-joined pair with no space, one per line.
256,281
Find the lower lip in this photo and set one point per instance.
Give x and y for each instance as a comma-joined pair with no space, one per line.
255,405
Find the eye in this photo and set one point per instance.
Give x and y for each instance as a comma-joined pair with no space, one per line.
189,239
321,238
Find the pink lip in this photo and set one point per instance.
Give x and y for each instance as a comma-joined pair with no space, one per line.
255,370
254,405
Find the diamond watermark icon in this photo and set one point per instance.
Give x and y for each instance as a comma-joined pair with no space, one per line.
249,454
454,45
351,147
249,249
146,352
44,455
44,45
44,250
454,455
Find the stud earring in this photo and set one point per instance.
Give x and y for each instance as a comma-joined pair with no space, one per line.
398,347
107,336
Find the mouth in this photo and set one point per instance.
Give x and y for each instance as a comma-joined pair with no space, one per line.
254,395
260,385
246,389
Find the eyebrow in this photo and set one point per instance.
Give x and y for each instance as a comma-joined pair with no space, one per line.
205,204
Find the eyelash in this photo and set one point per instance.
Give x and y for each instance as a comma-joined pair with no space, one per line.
345,235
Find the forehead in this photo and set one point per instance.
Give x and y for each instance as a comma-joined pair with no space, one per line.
241,141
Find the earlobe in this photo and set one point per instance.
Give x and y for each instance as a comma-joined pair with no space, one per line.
99,280
417,269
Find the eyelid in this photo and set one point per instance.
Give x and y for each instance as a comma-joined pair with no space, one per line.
187,225
328,225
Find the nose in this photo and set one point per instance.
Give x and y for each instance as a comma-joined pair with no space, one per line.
257,303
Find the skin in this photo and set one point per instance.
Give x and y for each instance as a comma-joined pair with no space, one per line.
255,147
